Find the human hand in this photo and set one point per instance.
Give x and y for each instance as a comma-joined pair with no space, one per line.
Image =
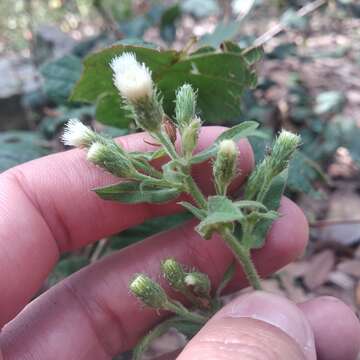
46,208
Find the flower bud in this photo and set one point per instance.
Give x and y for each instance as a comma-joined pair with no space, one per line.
283,149
199,282
190,136
132,79
185,105
174,274
225,165
148,291
77,134
134,82
110,157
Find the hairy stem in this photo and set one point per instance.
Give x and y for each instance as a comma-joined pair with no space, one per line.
195,192
243,255
182,311
168,145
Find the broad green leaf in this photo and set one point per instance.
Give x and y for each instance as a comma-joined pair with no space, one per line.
237,132
110,111
200,214
132,193
219,77
17,147
60,77
272,202
220,210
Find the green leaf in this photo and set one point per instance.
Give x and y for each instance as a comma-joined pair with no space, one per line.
272,202
200,214
60,77
250,204
132,193
237,132
17,147
110,111
219,77
220,210
171,173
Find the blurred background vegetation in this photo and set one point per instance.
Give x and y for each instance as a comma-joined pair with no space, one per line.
308,82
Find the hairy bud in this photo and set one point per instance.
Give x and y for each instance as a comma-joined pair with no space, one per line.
199,282
185,105
174,274
134,82
190,136
111,158
148,291
225,165
77,134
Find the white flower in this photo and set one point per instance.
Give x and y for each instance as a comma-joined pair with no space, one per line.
77,134
95,152
132,79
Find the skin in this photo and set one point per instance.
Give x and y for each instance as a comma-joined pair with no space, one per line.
46,208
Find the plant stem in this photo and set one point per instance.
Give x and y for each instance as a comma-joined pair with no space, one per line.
182,311
244,257
195,192
168,145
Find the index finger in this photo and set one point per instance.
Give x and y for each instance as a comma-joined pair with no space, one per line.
46,207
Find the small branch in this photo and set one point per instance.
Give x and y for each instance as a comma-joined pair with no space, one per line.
325,223
278,28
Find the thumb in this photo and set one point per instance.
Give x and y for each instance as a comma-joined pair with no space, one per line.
257,325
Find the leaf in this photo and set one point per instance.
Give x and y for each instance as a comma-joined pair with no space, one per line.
250,204
220,210
200,214
171,173
131,193
60,77
110,111
237,132
219,77
17,147
272,202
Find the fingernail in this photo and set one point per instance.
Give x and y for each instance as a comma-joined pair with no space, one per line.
277,311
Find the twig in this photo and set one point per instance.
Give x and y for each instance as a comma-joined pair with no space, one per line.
278,28
98,251
324,223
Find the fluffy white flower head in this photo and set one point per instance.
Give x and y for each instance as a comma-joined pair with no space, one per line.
95,152
132,79
77,134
